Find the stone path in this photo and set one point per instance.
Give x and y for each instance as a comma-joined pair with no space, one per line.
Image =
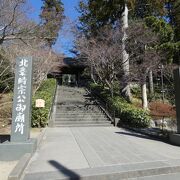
102,153
97,153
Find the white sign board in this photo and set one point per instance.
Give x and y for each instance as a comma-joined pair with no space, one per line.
40,103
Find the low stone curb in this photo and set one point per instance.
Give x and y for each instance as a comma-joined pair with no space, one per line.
18,170
148,133
175,139
118,172
40,137
171,138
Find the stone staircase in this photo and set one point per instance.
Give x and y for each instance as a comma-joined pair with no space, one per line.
74,107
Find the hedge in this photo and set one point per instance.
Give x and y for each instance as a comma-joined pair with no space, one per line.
129,114
46,92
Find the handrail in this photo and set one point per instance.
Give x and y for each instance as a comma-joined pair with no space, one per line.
106,112
99,101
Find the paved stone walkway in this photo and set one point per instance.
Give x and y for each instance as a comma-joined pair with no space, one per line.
67,152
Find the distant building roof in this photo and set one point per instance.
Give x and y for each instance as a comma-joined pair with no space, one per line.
74,62
68,66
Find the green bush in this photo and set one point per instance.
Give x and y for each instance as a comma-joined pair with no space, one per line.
40,115
135,117
136,91
129,114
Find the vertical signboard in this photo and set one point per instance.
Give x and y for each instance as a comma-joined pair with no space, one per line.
21,115
177,96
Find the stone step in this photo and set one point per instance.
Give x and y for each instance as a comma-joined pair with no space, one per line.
171,176
77,112
77,107
72,108
84,125
80,119
136,171
75,103
80,115
82,122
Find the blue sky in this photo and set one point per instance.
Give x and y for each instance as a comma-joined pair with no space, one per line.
64,42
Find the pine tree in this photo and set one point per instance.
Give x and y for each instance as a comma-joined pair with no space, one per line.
97,13
144,8
51,19
173,15
176,18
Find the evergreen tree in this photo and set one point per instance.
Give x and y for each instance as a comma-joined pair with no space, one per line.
175,16
51,19
145,8
166,35
97,13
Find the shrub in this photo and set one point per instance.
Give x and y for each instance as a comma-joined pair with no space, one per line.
40,115
136,90
135,117
129,114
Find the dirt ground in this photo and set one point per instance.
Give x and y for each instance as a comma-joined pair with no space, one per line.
4,129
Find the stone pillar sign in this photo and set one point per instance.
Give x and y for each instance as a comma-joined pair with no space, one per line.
21,114
175,138
177,96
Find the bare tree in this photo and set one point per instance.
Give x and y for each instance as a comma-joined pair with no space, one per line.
14,23
145,56
43,59
102,53
19,36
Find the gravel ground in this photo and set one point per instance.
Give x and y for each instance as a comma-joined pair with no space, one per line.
6,168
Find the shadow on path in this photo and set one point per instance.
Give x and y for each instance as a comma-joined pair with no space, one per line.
4,138
67,172
139,136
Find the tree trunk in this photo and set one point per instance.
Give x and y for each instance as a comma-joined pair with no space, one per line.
144,96
125,89
112,91
92,74
151,83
